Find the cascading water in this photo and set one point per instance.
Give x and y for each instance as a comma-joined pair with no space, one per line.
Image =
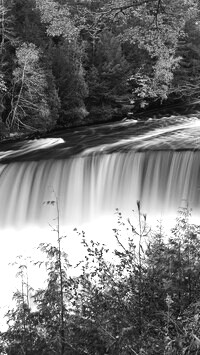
91,186
93,171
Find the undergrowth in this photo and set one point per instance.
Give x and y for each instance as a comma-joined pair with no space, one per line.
144,300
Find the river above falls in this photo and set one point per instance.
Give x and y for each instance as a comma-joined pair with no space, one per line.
94,170
168,133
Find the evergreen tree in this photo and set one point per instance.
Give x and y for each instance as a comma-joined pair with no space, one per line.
70,82
186,80
27,23
108,79
66,54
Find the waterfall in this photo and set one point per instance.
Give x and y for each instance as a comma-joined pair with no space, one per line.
91,172
97,184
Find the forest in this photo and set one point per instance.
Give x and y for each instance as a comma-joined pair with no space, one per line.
65,63
144,300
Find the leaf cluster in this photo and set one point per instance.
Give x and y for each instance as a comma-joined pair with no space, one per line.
141,298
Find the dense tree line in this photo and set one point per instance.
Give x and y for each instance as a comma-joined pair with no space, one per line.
143,300
66,62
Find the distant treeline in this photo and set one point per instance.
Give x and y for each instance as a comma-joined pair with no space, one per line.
65,63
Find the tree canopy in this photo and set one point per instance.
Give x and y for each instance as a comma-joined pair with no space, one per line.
96,60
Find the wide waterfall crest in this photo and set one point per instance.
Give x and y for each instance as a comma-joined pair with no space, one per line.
96,185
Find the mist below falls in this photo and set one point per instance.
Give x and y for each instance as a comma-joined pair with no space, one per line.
91,172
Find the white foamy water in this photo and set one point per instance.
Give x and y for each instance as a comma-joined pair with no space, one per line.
32,146
93,186
25,241
89,188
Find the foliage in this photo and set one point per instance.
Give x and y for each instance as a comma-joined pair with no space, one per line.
186,79
107,78
29,96
57,18
95,59
141,298
70,81
156,27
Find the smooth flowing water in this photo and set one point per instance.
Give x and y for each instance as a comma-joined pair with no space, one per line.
92,171
94,185
92,176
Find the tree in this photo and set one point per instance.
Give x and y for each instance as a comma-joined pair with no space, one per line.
52,302
108,79
186,78
57,19
23,335
7,43
70,81
66,55
29,105
156,27
141,298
